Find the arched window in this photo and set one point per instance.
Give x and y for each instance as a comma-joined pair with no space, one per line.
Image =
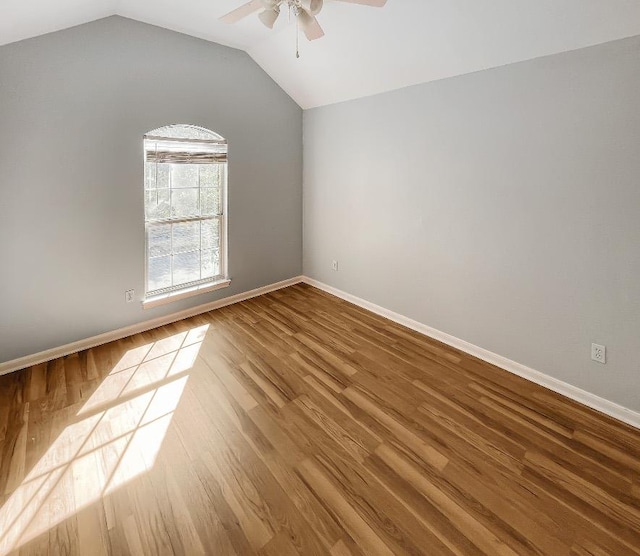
185,182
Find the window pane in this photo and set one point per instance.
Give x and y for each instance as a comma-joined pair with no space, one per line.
184,202
149,175
211,175
163,174
186,267
159,273
210,202
156,204
210,263
159,240
184,175
211,233
185,131
186,236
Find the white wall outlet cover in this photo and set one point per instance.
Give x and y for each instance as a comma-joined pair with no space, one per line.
129,296
334,265
599,353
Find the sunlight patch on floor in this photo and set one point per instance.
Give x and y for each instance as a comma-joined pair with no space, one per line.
115,437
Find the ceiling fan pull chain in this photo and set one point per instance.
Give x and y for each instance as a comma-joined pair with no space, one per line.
297,38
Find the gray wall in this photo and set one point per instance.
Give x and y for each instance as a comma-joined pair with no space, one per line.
502,207
74,106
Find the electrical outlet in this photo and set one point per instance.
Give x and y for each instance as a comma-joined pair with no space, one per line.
129,296
334,265
599,353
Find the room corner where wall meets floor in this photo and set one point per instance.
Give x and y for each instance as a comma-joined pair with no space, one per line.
587,399
499,207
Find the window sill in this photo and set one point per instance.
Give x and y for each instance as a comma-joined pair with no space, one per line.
183,294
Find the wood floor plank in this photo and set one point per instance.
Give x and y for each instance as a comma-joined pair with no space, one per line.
401,432
482,537
355,525
296,423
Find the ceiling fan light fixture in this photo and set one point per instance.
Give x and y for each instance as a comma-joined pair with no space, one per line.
312,7
269,17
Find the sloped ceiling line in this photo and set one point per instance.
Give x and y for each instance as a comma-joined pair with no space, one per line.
365,50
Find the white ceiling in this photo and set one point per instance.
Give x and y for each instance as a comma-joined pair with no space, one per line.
365,50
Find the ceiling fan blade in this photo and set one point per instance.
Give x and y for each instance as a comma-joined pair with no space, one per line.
310,26
242,12
373,3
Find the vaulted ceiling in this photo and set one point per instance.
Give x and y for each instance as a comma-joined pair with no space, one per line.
365,50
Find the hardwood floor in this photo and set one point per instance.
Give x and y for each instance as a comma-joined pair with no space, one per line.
296,423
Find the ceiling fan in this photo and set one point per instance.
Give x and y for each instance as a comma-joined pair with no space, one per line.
305,12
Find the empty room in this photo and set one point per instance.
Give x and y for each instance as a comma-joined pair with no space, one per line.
306,277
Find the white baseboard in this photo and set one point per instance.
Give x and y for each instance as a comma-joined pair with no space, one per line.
586,398
54,353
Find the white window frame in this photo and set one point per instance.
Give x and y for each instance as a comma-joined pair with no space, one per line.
171,134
